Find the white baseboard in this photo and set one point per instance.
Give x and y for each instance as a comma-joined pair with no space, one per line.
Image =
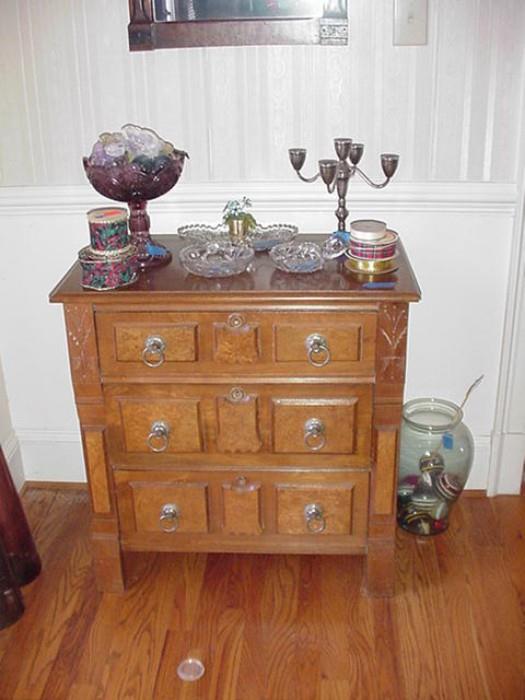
480,469
50,455
57,456
509,451
12,453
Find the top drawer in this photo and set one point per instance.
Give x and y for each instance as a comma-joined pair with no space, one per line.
152,344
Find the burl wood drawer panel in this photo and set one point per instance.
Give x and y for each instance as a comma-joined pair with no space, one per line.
267,506
215,424
143,344
165,506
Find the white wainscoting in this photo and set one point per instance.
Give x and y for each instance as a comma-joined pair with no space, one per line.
456,332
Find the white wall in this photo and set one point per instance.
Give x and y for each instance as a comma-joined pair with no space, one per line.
452,109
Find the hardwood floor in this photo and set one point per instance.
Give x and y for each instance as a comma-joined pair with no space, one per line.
275,627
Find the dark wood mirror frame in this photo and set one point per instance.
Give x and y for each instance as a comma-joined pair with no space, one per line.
146,34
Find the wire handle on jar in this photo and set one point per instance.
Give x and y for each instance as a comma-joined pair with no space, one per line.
469,391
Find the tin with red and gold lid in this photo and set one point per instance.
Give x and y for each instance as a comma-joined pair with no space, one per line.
108,228
102,271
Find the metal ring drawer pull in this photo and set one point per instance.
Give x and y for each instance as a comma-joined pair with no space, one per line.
314,434
314,516
169,517
154,347
318,351
159,431
236,321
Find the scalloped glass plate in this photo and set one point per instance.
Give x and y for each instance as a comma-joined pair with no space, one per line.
267,237
220,259
261,238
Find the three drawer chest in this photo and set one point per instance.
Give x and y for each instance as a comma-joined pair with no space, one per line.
256,413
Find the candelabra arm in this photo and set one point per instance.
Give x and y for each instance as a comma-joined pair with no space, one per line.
307,179
377,186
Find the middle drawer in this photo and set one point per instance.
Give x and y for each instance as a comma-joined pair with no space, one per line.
274,424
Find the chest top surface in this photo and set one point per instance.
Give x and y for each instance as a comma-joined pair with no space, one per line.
264,282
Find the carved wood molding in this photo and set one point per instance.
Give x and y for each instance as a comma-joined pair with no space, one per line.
391,345
82,344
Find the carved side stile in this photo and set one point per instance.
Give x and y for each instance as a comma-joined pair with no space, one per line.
83,357
82,344
392,340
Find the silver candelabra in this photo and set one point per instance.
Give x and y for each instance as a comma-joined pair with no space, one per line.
337,173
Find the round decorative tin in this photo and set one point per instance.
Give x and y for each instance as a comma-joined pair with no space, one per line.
372,267
378,250
108,228
367,230
102,272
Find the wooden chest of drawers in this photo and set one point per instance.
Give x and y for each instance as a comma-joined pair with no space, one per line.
251,414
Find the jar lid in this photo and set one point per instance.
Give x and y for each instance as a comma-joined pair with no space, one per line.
367,229
107,215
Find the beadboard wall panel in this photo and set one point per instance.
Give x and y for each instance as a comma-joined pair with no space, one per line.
452,108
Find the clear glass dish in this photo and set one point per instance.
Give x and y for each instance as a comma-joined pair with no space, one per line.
261,238
298,257
220,259
306,256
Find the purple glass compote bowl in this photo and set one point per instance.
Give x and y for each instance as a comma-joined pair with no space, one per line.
134,166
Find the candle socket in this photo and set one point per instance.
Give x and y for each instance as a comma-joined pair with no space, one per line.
338,173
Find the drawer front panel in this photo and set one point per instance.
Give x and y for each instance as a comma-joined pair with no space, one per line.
247,424
302,342
272,505
323,510
326,425
295,342
132,341
141,420
170,507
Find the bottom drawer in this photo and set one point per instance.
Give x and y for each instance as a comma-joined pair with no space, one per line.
230,510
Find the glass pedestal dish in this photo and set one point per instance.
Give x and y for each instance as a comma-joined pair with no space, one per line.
127,182
135,165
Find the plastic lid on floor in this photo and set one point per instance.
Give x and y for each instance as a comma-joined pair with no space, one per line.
190,669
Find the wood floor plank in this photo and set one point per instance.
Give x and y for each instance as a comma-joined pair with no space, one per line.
308,641
251,684
140,619
279,600
421,629
509,513
36,640
36,506
275,627
500,636
386,672
205,639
